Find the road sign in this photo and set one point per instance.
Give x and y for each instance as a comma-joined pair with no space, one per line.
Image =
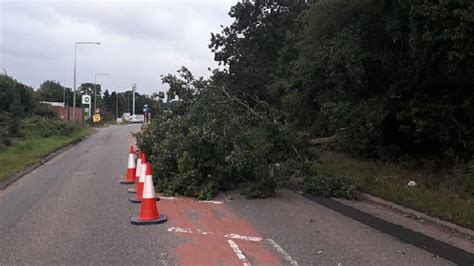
86,112
86,99
96,118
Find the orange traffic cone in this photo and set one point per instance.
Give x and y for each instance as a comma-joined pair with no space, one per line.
148,210
137,172
130,177
145,170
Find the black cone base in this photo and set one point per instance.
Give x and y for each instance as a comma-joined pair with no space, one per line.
132,190
126,182
135,200
137,221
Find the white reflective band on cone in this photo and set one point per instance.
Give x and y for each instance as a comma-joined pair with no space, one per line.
139,164
148,189
142,173
131,161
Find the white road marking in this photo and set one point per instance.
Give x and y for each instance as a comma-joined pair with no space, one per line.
282,252
248,238
186,230
199,231
180,230
166,198
211,201
204,201
238,252
202,232
236,248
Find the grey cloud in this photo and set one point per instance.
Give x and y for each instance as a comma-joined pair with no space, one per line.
140,41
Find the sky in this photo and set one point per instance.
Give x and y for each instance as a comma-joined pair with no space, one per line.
140,40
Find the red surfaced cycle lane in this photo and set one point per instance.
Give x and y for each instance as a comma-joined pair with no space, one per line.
213,234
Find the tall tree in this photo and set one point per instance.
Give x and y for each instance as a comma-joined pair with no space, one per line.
88,88
52,91
398,75
250,47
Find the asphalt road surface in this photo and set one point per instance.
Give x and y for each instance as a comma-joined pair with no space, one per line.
72,210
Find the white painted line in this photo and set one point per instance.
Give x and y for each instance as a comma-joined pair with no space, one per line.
166,198
180,230
202,232
238,252
211,201
187,230
199,231
248,238
282,252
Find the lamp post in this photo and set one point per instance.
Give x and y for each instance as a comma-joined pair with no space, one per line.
134,88
95,88
116,105
74,88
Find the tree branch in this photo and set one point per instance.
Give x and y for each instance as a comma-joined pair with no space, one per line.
230,97
332,138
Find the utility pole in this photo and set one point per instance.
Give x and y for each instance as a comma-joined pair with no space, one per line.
116,105
64,90
128,101
134,88
74,88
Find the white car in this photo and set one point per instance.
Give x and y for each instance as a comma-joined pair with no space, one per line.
136,119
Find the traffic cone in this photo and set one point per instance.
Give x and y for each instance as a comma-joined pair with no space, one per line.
145,170
137,172
148,210
130,177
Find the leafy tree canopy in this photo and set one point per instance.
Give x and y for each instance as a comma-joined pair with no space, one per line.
52,91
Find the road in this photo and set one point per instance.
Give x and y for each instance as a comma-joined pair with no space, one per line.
72,210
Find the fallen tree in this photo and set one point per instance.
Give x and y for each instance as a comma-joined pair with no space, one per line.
213,141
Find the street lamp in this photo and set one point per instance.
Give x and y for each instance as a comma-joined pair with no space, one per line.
95,88
74,88
134,88
116,105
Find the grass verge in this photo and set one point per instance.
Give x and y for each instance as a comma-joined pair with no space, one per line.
389,181
25,152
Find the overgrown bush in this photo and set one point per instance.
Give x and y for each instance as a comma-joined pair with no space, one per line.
44,110
37,126
212,141
330,186
16,102
5,125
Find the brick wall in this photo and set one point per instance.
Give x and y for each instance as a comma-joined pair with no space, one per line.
65,114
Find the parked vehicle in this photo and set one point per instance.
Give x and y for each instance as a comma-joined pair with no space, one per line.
126,116
137,119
